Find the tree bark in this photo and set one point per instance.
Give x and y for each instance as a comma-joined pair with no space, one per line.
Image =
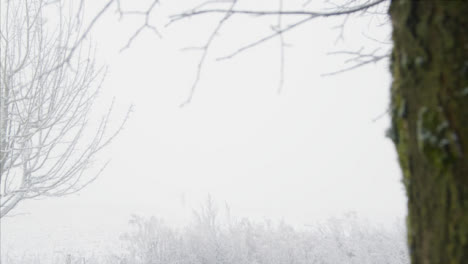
429,107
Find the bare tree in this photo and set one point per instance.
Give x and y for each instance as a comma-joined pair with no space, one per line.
48,84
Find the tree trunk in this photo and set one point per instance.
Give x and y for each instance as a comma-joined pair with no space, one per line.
430,124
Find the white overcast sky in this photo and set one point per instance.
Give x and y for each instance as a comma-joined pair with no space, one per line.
309,153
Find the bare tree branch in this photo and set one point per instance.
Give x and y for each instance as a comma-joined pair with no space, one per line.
146,25
205,53
307,15
282,47
275,13
83,36
358,59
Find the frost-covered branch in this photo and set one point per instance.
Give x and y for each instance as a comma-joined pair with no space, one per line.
48,84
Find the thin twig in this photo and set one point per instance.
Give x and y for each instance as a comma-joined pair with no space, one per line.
359,58
281,42
146,25
205,53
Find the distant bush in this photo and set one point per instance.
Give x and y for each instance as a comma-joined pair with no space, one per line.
210,241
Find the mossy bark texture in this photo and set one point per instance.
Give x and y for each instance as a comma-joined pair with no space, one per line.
430,124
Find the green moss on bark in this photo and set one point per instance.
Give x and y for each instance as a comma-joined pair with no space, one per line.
430,124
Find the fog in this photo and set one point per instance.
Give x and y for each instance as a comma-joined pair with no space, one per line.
313,152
